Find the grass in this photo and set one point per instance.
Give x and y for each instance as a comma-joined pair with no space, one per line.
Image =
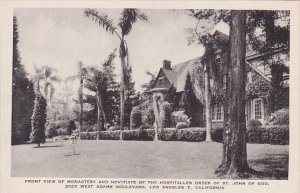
140,159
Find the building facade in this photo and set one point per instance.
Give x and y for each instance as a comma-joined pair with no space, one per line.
258,82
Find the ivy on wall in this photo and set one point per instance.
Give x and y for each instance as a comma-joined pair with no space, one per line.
258,88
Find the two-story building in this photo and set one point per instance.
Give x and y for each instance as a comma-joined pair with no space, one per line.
258,82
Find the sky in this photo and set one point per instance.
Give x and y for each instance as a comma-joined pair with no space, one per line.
60,38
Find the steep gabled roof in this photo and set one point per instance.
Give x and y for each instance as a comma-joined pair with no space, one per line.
182,69
171,75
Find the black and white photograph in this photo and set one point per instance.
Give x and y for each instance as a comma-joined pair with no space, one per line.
145,93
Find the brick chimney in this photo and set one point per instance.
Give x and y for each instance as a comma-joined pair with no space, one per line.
167,64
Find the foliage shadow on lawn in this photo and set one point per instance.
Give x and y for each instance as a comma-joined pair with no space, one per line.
273,166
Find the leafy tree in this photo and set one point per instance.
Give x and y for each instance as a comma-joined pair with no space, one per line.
172,97
38,120
111,98
128,18
278,95
190,102
234,154
22,95
80,76
97,81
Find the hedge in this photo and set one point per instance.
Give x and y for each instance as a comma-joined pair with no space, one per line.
191,134
217,135
167,134
109,135
139,134
89,135
275,135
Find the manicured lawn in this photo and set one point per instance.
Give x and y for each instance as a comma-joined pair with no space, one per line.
139,159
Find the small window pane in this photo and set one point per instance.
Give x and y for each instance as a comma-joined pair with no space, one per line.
219,112
257,109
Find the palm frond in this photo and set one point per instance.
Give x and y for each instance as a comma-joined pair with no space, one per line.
129,17
102,20
110,58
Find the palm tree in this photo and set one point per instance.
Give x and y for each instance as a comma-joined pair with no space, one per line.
128,18
48,79
37,78
97,81
44,78
80,76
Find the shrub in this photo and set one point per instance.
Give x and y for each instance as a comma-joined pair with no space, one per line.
62,124
167,134
275,135
217,134
71,127
148,116
254,135
107,126
253,124
109,135
180,117
181,125
165,118
279,135
38,120
138,134
280,117
114,128
191,134
62,131
135,118
89,128
89,135
51,130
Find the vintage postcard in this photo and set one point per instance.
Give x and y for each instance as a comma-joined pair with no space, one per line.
150,96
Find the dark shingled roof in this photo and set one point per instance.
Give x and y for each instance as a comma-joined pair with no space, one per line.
171,75
182,69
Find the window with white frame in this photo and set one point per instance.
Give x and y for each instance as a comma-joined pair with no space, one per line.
257,109
217,113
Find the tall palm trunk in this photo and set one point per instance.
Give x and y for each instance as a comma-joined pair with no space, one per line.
207,102
81,102
123,83
101,119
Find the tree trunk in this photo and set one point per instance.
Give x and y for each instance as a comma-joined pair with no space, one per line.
207,102
81,103
101,118
234,161
122,85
